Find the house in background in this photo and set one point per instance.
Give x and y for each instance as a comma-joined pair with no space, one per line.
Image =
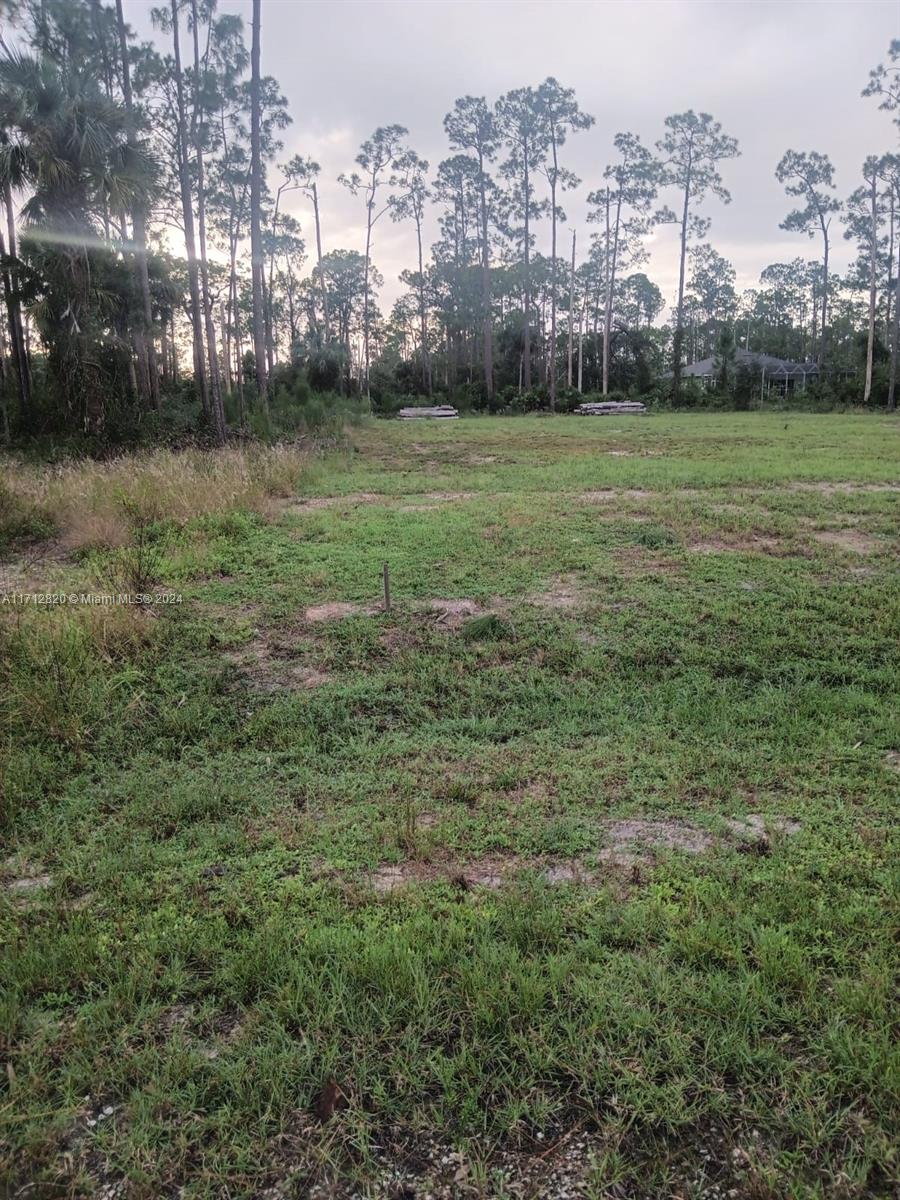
773,372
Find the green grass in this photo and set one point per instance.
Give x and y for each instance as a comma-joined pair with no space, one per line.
204,808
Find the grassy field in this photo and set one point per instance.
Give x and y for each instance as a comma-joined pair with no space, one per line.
571,876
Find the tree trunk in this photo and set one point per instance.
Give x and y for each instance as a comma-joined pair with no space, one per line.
215,386
542,337
139,230
613,252
582,313
527,280
888,296
679,327
188,215
823,339
270,290
571,313
873,262
487,335
426,361
256,247
4,403
553,281
315,196
173,351
239,349
369,207
14,313
226,349
267,323
895,339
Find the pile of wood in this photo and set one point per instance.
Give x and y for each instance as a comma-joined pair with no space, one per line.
444,412
608,408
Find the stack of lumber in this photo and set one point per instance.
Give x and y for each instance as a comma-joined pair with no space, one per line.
445,412
604,408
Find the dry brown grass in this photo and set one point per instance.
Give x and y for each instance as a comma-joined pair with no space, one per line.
94,503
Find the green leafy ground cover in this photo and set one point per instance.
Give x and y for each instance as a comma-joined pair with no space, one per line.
571,876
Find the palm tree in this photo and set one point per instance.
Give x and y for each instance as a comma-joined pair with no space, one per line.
67,144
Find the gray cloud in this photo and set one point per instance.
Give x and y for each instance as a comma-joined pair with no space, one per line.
776,75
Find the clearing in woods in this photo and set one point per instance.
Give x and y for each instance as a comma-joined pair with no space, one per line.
568,877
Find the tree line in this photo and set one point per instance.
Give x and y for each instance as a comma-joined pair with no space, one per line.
150,266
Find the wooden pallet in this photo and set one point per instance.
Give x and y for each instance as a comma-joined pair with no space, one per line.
608,408
442,412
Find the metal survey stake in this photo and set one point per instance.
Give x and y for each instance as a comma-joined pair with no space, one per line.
386,575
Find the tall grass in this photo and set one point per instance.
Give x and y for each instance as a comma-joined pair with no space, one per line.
89,504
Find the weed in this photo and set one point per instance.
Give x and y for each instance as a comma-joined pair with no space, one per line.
488,628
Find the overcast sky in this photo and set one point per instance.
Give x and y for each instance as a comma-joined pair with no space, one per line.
779,74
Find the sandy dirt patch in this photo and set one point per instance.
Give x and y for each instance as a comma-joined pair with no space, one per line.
337,610
609,495
266,664
751,543
24,882
838,489
565,593
849,540
449,612
636,562
353,500
629,843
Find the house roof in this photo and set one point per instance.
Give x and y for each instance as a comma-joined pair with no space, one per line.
773,367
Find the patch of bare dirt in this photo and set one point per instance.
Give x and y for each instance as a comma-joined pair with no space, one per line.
636,562
172,1020
314,503
491,872
568,872
659,833
452,614
432,501
558,1165
24,881
565,593
607,495
266,670
448,497
756,825
629,838
223,1031
80,1155
209,1037
837,489
397,875
849,540
29,883
892,760
336,610
729,509
39,569
629,842
754,543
